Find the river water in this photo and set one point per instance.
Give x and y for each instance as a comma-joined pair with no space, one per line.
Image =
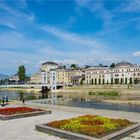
75,100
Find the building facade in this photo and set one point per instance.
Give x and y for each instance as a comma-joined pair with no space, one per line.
122,73
36,78
48,74
65,76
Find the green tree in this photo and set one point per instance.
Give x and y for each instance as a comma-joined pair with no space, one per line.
130,82
116,81
92,81
73,66
100,65
136,81
107,82
99,81
87,66
95,81
112,65
64,66
121,80
81,82
103,81
21,73
111,80
125,80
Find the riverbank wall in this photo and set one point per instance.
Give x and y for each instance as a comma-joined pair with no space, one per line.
30,90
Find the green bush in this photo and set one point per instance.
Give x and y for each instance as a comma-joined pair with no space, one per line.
109,93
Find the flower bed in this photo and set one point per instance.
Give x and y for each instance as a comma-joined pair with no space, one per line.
94,126
19,112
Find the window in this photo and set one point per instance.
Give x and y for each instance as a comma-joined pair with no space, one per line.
134,74
53,77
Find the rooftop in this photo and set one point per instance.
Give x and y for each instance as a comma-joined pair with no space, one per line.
49,63
123,63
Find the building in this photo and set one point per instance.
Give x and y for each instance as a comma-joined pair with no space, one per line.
77,80
14,78
47,66
36,78
48,74
64,76
122,73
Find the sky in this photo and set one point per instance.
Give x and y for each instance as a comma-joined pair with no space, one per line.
84,32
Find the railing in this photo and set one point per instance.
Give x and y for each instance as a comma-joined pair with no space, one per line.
28,85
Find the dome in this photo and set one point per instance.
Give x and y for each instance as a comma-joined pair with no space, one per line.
123,63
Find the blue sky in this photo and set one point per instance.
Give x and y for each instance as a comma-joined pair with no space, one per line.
68,31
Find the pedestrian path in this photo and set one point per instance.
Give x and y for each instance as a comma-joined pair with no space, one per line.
24,128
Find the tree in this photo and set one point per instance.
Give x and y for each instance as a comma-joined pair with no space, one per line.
130,82
73,66
81,82
116,81
136,81
92,81
125,80
111,80
64,66
112,65
100,65
103,81
99,81
121,80
95,81
87,66
21,73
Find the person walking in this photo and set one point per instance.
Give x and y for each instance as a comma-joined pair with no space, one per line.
23,101
3,100
7,100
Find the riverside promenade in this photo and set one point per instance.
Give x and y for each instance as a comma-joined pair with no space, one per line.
24,128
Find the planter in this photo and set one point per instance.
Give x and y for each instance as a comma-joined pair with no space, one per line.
89,127
35,112
70,135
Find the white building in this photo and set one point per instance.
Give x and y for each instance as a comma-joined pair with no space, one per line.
48,74
122,73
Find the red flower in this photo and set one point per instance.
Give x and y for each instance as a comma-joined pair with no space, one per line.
16,110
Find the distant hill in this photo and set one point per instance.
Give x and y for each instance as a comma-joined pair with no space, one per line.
2,76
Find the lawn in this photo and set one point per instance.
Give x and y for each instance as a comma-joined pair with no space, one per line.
95,126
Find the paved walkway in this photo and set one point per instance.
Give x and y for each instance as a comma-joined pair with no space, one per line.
24,128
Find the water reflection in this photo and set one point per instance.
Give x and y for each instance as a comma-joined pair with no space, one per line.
19,95
74,99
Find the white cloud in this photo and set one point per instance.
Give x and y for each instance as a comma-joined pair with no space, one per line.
136,53
67,61
97,8
15,16
131,6
81,40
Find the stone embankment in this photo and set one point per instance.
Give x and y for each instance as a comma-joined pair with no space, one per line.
26,90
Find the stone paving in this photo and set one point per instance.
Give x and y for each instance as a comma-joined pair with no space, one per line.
24,128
